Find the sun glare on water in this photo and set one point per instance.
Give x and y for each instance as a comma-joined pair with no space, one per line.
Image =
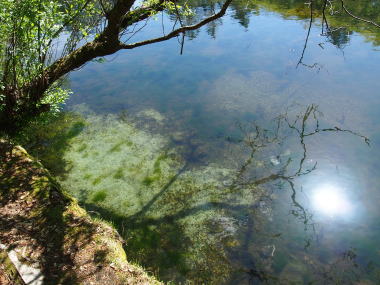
331,200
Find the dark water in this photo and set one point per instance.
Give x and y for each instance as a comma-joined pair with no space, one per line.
226,202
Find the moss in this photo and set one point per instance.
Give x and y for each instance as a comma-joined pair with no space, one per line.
75,209
117,254
8,268
54,214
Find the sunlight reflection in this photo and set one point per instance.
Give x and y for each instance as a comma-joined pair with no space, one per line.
331,200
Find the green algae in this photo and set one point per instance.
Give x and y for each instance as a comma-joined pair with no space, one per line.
119,174
152,114
180,220
97,180
49,140
116,147
148,180
160,205
99,196
82,147
87,176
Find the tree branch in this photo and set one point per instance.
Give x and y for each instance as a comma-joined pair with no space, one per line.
141,14
105,44
179,30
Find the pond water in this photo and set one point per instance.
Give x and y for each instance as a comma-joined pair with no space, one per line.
200,162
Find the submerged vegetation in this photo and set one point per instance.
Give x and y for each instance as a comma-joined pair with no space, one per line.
192,196
141,184
182,220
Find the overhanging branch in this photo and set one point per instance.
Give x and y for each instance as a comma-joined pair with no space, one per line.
180,30
141,14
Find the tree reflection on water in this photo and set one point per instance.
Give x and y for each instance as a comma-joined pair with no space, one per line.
280,173
184,226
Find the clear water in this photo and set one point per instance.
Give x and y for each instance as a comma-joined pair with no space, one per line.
161,149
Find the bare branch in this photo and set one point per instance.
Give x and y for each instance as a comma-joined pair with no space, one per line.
179,30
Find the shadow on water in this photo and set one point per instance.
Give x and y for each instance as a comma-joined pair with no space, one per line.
48,140
257,264
161,243
157,196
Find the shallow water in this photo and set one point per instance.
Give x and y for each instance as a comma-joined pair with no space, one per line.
166,147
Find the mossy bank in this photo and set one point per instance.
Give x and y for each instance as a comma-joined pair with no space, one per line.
48,231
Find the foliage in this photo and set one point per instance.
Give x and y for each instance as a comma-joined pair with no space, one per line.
42,41
28,29
31,34
56,97
174,8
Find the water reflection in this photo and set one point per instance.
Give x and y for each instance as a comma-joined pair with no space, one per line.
189,221
232,210
331,200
